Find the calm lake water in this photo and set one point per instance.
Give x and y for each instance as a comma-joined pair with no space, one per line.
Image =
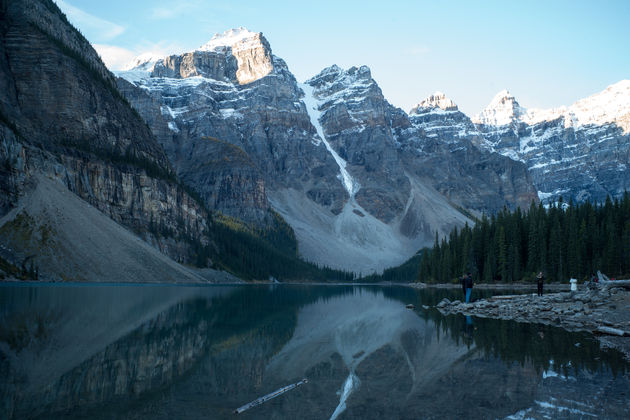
177,352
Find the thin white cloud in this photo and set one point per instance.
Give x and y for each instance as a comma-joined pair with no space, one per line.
161,48
118,58
97,28
115,58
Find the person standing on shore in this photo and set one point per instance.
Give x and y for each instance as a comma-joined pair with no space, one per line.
539,277
469,286
463,281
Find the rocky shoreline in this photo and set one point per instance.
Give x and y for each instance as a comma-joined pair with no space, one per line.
603,310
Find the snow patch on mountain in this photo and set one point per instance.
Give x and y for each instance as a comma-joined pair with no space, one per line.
502,110
336,86
230,38
608,106
312,108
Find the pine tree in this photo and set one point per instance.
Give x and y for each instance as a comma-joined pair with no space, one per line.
502,254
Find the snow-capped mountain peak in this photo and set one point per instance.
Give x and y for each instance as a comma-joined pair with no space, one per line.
502,110
237,36
251,50
435,102
610,105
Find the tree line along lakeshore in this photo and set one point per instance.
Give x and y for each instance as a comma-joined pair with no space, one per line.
563,241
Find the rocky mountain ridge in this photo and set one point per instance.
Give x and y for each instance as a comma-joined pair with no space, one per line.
578,152
332,156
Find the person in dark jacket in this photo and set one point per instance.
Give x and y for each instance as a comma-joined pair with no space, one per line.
469,286
539,279
463,281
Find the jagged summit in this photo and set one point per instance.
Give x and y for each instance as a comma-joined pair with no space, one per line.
501,97
251,50
434,102
612,105
214,60
502,110
335,83
335,72
232,37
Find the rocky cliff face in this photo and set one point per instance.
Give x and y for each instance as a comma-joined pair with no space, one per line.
357,123
395,150
235,90
438,116
332,156
63,117
443,149
578,152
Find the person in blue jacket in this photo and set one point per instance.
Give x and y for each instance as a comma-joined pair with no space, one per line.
469,286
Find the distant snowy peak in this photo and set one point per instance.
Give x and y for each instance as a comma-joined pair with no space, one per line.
502,110
239,37
438,102
337,75
612,105
144,62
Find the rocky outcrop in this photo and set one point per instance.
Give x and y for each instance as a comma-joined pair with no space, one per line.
63,117
223,174
438,116
237,56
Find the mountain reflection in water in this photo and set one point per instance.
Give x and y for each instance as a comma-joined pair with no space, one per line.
109,351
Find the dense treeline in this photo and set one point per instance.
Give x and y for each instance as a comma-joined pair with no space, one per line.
261,254
407,272
563,241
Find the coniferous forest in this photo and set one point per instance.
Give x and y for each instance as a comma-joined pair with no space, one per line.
564,241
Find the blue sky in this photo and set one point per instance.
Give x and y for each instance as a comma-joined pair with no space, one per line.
546,53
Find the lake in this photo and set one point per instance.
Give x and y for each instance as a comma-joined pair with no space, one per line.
184,352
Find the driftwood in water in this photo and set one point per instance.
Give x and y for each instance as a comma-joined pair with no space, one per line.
270,396
610,331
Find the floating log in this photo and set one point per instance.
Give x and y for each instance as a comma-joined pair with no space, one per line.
610,331
270,396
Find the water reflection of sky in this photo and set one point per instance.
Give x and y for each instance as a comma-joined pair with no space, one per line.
187,352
